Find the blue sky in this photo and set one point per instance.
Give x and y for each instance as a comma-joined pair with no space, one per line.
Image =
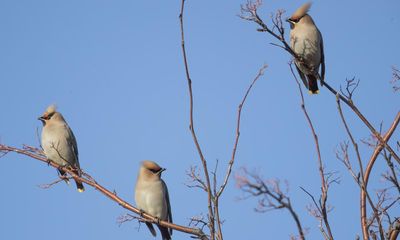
115,70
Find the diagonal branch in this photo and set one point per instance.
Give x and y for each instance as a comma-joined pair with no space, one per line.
368,170
251,10
87,179
239,114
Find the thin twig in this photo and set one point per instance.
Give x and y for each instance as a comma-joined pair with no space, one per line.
368,170
239,114
30,152
272,197
324,184
251,10
192,128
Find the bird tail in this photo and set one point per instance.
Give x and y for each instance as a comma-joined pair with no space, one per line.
312,84
62,174
79,186
151,228
164,233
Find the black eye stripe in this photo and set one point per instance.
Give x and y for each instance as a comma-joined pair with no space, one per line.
50,115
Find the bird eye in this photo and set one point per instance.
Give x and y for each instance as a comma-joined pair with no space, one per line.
50,116
295,20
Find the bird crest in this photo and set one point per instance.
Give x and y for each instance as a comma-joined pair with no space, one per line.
301,11
151,165
51,109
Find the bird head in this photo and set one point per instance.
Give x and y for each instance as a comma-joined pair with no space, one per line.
50,114
300,15
152,169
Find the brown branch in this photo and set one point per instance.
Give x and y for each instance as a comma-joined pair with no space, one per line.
239,114
192,128
49,185
195,178
350,104
368,170
360,178
392,176
355,145
271,193
395,79
232,160
87,179
251,9
324,184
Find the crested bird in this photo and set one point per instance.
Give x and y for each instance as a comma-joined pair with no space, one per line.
59,143
306,42
151,196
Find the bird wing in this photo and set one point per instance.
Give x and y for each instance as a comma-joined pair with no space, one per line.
168,204
151,228
322,59
74,146
302,76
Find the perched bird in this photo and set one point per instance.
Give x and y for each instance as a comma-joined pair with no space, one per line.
151,196
59,143
306,42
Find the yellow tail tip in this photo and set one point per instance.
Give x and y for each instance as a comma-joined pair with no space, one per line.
81,189
311,92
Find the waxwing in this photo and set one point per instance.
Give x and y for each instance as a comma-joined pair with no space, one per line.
59,143
306,42
151,196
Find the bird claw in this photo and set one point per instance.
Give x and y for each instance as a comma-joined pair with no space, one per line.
49,162
141,212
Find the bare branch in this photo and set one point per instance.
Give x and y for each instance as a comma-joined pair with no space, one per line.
196,180
85,178
192,128
368,170
395,79
351,86
324,183
249,13
49,185
271,195
239,114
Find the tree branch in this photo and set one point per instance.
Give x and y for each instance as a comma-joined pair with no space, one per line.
87,179
368,170
192,128
251,10
273,198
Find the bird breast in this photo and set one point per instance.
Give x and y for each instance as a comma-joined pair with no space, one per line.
56,144
150,197
305,41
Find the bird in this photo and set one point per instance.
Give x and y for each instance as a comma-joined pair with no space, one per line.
307,43
59,143
151,196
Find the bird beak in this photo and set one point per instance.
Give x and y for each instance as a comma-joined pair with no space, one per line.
161,170
288,20
43,119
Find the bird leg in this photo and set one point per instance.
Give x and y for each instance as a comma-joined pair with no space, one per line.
157,220
141,212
